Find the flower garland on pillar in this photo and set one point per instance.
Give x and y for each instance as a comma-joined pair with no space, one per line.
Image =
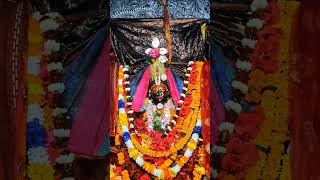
236,152
274,134
54,113
39,166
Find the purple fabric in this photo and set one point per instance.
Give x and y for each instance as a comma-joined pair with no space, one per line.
217,112
89,129
173,88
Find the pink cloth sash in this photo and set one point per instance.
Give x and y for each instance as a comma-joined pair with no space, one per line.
142,90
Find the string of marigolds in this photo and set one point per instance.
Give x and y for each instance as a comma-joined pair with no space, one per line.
274,135
245,113
171,166
52,74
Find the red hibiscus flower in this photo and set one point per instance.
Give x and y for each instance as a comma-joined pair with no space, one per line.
248,124
170,137
271,14
139,124
145,177
240,156
194,66
188,100
264,58
184,111
118,170
159,161
193,79
270,35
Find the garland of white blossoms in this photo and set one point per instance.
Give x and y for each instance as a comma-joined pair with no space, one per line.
133,152
242,65
51,22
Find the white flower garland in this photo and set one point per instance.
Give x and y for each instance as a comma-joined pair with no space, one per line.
38,155
243,65
226,126
255,23
34,65
236,107
219,149
258,4
248,42
241,86
51,46
56,88
59,111
48,25
55,66
61,133
65,158
35,111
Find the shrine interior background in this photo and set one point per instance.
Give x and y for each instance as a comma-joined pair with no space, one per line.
61,111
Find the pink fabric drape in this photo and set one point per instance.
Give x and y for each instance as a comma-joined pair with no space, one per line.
141,92
89,129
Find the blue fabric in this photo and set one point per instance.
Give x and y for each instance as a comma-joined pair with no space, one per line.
76,74
221,71
178,81
134,83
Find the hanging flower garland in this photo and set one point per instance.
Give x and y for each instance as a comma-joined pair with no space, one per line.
274,135
50,69
38,165
236,151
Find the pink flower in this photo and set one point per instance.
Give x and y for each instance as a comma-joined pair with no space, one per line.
154,53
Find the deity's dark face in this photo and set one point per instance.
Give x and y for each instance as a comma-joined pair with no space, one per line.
159,93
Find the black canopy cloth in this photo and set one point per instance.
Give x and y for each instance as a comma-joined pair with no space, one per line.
130,39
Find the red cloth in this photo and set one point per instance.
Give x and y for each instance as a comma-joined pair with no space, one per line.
205,111
12,143
304,96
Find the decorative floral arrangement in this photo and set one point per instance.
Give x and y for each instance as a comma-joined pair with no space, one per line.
46,129
273,137
236,152
166,137
39,165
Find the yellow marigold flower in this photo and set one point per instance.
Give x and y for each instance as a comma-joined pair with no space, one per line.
125,175
192,145
133,152
201,170
33,79
121,158
117,140
40,171
35,89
